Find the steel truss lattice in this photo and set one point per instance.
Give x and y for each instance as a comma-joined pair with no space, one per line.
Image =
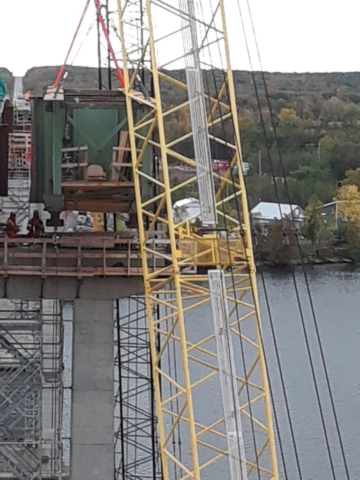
189,405
30,390
137,451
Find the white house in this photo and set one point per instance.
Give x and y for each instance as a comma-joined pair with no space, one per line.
264,213
332,212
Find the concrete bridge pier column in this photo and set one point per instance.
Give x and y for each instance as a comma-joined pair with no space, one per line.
92,416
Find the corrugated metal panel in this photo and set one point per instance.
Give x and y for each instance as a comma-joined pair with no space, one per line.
6,128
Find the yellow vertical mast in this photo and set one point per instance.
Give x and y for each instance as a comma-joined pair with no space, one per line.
210,320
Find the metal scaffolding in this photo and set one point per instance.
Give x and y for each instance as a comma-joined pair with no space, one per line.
30,390
21,391
19,153
52,393
20,139
22,109
137,449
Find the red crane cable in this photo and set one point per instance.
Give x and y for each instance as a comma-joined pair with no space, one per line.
111,50
62,69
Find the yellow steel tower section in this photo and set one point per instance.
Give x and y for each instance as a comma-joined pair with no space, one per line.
212,392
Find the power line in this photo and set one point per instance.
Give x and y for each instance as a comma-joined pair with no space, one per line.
303,268
232,275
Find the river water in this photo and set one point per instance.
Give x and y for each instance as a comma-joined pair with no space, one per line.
335,294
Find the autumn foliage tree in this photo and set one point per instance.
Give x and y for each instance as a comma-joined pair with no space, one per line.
315,222
287,116
281,245
352,177
349,208
348,198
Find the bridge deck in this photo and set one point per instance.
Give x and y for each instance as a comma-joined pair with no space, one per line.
80,256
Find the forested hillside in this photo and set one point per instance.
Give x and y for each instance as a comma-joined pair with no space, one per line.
317,118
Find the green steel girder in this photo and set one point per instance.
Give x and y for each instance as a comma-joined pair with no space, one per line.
96,125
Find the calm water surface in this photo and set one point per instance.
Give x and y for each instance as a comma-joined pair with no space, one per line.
336,297
335,292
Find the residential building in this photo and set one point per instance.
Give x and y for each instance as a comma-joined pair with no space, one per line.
266,213
333,213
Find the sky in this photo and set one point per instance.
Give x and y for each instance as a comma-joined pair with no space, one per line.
306,36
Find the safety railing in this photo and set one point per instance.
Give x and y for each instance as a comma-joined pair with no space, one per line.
86,255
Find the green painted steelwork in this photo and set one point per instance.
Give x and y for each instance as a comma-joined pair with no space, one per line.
98,130
92,119
46,149
57,129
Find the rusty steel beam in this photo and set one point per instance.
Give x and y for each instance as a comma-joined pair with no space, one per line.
96,185
97,206
85,272
81,256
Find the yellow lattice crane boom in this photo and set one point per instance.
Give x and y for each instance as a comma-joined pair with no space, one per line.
217,399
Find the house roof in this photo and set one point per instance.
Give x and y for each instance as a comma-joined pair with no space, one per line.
186,201
275,211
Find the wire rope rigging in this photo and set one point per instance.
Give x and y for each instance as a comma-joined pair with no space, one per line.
313,315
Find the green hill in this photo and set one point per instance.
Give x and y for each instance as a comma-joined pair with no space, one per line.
317,117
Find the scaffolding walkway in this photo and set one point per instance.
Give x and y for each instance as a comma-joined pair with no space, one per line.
77,256
30,390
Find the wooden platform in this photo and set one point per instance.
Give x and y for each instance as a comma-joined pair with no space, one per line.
102,197
80,256
95,186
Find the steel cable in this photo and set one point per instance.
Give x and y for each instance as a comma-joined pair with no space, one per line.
302,262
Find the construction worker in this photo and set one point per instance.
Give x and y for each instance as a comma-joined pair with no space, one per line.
197,227
27,95
11,227
35,227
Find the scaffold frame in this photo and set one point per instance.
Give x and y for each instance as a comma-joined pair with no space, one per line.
31,389
137,449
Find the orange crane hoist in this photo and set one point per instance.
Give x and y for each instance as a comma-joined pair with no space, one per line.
108,41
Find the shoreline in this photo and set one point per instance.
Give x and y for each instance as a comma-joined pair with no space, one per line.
307,262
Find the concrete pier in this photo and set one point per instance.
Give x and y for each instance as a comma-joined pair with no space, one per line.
92,417
92,402
69,288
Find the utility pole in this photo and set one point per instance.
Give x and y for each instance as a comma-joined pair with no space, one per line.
260,172
319,150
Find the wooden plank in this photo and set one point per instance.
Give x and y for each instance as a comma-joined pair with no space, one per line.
74,149
74,165
95,185
117,194
72,255
122,149
74,272
97,206
116,165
